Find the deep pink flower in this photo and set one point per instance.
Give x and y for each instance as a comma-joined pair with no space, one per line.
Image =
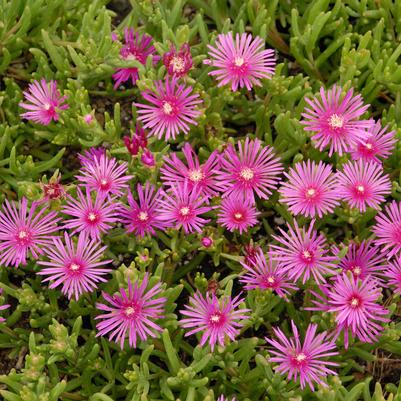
393,274
363,184
216,318
335,122
237,213
76,268
241,62
207,242
178,63
133,312
45,102
250,252
90,155
172,109
310,189
307,359
254,170
147,158
138,140
88,118
3,307
24,229
303,253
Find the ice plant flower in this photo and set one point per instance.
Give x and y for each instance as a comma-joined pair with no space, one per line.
53,189
139,140
303,253
305,360
43,102
178,63
147,158
132,313
137,47
217,319
141,217
3,307
242,62
265,275
90,155
207,242
250,252
76,267
393,274
24,230
363,184
93,217
310,189
202,176
254,170
237,213
378,142
172,109
105,176
335,122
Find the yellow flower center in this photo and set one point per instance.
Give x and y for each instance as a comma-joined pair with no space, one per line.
184,211
239,61
336,121
167,108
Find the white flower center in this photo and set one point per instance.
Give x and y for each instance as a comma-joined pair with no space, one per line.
336,121
247,174
307,255
131,57
270,280
356,270
129,311
311,192
369,146
360,189
167,108
239,61
196,175
215,318
22,234
177,63
47,106
74,267
238,216
300,357
354,302
143,216
92,216
184,211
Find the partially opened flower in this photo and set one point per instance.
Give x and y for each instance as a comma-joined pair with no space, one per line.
307,359
241,62
179,62
3,307
217,319
132,313
393,274
137,141
43,102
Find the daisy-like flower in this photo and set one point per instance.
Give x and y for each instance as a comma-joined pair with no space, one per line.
105,176
216,318
265,275
178,63
93,217
376,143
172,109
335,122
24,229
310,189
76,268
132,312
254,170
363,184
141,217
305,360
3,307
137,47
303,253
202,176
237,213
240,62
45,102
90,155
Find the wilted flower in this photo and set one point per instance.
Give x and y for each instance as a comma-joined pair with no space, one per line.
178,63
53,189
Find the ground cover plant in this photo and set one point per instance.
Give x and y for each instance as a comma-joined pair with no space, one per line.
200,200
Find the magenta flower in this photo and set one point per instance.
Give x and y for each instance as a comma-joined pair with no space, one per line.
243,62
216,319
302,253
141,217
137,48
3,307
265,275
172,109
237,213
307,360
105,176
393,274
133,313
202,176
253,171
93,217
310,189
147,158
178,63
376,143
138,140
335,122
76,268
363,184
89,156
45,102
24,230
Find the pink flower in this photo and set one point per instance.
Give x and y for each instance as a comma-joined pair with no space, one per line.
24,229
76,268
138,140
236,213
88,118
310,189
89,156
216,319
3,307
172,109
393,274
202,176
307,359
334,122
243,62
376,143
45,102
147,158
133,313
253,171
302,253
137,48
178,63
363,184
250,252
207,242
